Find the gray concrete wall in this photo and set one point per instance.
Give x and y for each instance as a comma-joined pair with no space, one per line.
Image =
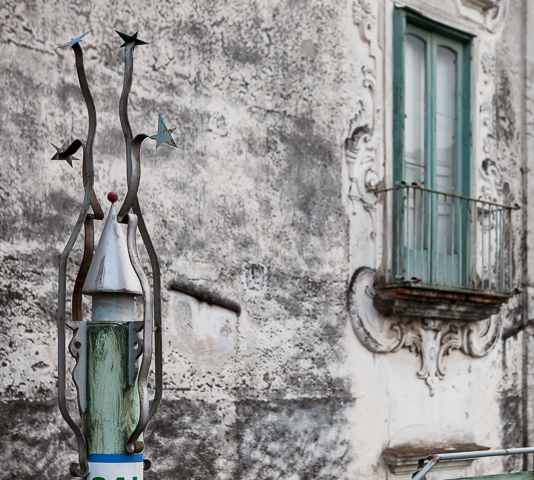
252,204
255,181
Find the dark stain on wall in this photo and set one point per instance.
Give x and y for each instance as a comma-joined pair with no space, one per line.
504,111
34,441
299,438
510,412
182,440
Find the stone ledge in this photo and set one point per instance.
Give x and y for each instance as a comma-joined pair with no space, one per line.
423,301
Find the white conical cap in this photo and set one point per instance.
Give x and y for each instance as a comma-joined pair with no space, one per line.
111,270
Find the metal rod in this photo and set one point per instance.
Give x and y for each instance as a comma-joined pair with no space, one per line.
503,250
510,246
123,103
434,459
429,238
422,227
156,284
399,229
407,273
474,245
135,145
414,234
443,235
401,186
490,260
483,246
62,400
89,237
435,228
386,235
461,251
486,453
134,176
453,243
500,247
416,215
82,468
429,466
148,328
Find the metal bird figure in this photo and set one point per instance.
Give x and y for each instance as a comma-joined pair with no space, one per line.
164,135
74,40
60,150
130,38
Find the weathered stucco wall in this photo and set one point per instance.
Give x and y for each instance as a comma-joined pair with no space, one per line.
252,204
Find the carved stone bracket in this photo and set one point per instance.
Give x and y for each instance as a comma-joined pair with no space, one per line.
430,339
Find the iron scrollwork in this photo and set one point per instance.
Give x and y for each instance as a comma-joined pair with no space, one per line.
130,213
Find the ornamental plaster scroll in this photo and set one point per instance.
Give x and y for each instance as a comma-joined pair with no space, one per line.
494,12
363,18
489,169
430,339
361,148
362,144
492,184
496,16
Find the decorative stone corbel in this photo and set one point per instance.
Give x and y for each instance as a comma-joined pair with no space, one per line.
430,338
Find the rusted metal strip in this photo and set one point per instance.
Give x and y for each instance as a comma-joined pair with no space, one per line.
134,176
81,469
123,103
98,213
135,145
89,238
132,445
129,202
156,282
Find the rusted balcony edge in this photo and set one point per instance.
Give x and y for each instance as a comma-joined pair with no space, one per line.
430,301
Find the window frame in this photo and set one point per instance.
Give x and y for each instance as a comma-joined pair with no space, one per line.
434,34
404,19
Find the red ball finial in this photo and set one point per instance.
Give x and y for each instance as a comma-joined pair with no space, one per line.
112,197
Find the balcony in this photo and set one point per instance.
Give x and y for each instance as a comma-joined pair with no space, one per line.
446,256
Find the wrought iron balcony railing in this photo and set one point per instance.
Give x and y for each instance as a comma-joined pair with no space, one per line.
445,240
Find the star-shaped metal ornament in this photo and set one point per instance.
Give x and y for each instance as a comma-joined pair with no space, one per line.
130,38
74,41
164,135
59,154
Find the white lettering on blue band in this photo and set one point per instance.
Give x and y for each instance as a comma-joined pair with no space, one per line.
115,467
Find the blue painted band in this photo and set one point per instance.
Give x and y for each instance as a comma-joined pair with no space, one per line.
106,458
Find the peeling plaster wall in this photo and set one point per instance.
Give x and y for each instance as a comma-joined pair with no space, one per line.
252,204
